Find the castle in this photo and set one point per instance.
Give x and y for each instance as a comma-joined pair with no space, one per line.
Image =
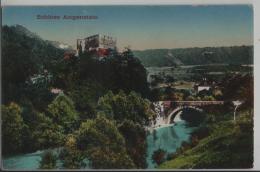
101,45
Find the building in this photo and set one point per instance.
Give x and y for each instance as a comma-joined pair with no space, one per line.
56,91
102,45
203,85
40,79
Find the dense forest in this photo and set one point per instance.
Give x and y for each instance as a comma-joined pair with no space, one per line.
196,56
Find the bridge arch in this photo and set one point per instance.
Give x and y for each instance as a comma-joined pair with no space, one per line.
179,108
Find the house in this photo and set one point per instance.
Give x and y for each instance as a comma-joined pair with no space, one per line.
203,85
56,91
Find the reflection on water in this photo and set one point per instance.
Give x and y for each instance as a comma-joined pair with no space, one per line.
167,138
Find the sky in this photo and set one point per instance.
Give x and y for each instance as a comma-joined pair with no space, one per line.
142,27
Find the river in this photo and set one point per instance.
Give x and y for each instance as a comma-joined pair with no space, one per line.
168,138
28,161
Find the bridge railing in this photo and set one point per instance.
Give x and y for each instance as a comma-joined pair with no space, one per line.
193,103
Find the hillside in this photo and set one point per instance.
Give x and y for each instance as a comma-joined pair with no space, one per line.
230,145
24,54
196,56
19,42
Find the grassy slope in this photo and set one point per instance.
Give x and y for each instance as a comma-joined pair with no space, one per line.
229,146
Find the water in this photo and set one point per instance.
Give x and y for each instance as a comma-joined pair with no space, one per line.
29,161
24,162
168,138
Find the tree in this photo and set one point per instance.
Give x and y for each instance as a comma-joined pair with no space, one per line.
63,113
23,54
169,79
85,97
177,96
48,160
191,98
12,126
239,87
217,93
116,72
208,98
45,133
129,74
122,106
103,144
135,137
72,157
159,156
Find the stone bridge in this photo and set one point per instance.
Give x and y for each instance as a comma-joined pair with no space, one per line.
168,109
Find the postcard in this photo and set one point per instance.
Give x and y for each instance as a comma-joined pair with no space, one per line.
127,87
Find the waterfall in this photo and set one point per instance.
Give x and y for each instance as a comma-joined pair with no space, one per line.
178,117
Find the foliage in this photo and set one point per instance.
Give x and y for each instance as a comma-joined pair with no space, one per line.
119,71
208,98
63,113
38,96
177,96
71,156
45,133
134,135
159,156
192,116
23,54
48,161
229,145
239,87
122,106
103,144
86,96
131,113
12,126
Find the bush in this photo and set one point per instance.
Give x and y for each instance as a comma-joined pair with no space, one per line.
48,161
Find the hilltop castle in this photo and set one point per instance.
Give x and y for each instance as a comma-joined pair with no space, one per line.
102,45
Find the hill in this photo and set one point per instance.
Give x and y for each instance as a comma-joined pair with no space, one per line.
24,54
196,56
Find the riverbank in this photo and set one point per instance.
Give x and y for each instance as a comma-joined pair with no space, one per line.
229,145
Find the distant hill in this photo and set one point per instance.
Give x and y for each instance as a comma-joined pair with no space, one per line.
196,56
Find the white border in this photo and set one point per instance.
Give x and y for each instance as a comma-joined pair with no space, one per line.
256,6
256,84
